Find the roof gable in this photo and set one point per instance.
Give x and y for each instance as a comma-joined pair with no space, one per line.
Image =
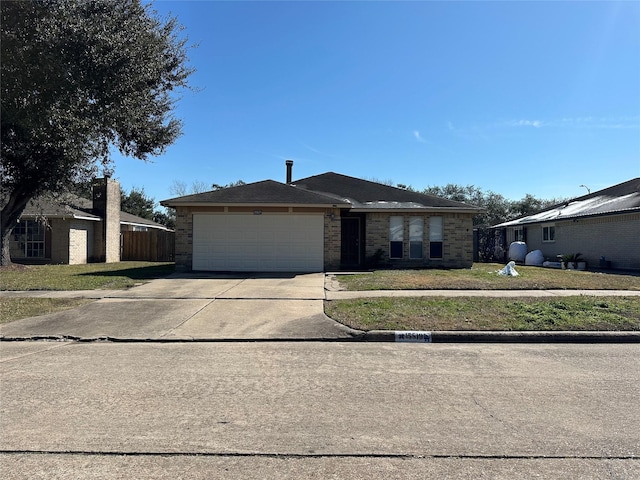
621,198
266,192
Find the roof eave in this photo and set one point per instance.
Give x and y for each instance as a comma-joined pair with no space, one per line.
148,225
474,211
63,217
517,223
255,205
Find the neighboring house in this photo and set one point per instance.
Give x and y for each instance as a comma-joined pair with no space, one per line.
324,222
605,224
71,229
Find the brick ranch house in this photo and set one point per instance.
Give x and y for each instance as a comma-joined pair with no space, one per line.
605,224
69,229
324,222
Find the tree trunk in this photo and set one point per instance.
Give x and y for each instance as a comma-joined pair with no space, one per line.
5,254
11,212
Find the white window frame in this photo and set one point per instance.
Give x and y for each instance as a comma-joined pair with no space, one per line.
549,231
518,234
23,233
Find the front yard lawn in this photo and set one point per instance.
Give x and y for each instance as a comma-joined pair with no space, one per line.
81,277
482,276
16,308
579,313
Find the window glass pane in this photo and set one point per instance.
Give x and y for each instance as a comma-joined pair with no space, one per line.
396,229
36,231
435,250
416,229
416,232
415,249
32,243
552,233
395,250
435,229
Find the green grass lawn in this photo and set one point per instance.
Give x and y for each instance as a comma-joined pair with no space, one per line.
579,313
482,276
16,308
82,277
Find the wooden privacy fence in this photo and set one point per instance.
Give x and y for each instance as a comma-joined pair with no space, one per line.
149,246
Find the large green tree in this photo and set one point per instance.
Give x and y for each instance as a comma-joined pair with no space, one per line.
498,209
80,77
138,203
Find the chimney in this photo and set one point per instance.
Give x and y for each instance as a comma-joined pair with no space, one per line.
106,204
289,164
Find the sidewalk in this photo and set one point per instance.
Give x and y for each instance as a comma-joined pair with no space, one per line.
203,329
343,294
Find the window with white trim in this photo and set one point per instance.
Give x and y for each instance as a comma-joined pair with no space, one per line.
518,235
396,236
549,233
435,237
30,238
416,232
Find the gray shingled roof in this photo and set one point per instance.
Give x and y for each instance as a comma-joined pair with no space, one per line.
367,195
69,205
621,198
130,219
266,192
326,189
66,205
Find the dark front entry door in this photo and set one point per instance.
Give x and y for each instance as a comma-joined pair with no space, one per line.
350,250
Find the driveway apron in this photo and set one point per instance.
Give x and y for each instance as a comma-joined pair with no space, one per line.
198,307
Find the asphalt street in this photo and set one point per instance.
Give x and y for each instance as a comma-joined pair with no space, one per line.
319,410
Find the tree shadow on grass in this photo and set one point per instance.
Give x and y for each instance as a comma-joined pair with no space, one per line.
136,273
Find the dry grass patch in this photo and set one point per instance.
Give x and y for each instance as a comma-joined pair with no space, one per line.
482,276
16,308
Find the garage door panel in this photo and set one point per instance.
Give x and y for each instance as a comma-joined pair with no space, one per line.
258,242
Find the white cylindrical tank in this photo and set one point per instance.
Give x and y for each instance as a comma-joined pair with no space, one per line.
534,258
517,251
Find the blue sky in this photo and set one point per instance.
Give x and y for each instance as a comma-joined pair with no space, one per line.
513,97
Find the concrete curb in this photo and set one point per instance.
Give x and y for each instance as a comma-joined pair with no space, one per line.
371,336
500,337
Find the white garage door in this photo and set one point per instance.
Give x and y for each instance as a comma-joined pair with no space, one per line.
258,243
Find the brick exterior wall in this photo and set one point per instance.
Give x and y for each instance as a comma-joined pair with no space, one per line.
106,203
457,240
184,238
332,239
616,237
79,242
59,240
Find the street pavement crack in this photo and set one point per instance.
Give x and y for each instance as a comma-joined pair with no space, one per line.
109,453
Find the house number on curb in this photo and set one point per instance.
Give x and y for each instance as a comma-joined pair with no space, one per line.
413,337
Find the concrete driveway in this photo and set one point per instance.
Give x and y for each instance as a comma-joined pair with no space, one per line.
198,306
